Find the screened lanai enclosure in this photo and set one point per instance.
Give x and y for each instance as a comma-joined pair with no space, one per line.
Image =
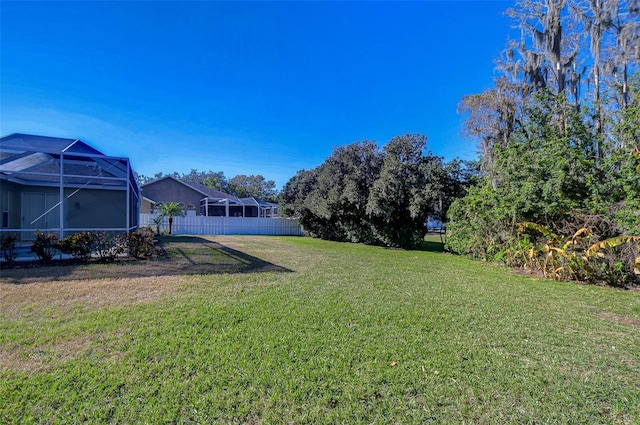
64,186
230,206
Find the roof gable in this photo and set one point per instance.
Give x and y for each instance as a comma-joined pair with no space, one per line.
210,192
205,191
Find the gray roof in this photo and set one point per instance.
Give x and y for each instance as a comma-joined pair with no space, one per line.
210,192
46,144
35,160
250,201
258,202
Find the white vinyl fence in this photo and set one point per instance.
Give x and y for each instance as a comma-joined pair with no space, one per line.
202,225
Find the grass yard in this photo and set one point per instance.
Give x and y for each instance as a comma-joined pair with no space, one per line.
242,329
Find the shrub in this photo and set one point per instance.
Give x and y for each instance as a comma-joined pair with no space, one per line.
158,221
478,225
8,246
107,247
79,245
582,256
139,243
45,246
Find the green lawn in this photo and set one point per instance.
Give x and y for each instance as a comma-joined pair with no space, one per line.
297,330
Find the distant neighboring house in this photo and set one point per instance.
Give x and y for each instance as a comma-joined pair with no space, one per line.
198,199
147,205
434,223
64,185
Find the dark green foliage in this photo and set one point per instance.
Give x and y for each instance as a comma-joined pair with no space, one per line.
8,247
404,194
341,191
79,245
45,246
557,132
139,244
253,186
331,199
104,246
547,168
479,223
624,166
551,172
454,181
364,195
294,200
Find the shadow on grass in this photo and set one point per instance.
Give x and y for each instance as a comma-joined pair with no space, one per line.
433,242
431,246
185,255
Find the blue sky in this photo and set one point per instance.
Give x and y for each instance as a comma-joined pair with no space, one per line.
244,87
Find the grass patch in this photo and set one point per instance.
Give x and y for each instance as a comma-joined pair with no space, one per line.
297,330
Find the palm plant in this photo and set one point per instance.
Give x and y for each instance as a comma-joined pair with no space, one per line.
171,210
158,221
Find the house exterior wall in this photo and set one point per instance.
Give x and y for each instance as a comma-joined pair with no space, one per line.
85,209
146,207
235,211
134,207
169,190
93,208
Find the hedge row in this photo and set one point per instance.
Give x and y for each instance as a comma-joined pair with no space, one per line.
84,245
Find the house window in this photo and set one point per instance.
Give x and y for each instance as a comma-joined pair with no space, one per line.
5,218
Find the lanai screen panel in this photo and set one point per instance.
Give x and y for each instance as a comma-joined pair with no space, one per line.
92,191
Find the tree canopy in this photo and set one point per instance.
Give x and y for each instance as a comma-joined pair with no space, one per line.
367,195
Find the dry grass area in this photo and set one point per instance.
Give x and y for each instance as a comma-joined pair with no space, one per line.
61,289
616,318
40,294
45,301
127,283
43,358
186,255
99,293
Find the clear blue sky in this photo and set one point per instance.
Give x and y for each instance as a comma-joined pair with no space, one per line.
244,87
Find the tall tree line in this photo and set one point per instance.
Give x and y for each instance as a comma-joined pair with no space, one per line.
584,50
557,130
